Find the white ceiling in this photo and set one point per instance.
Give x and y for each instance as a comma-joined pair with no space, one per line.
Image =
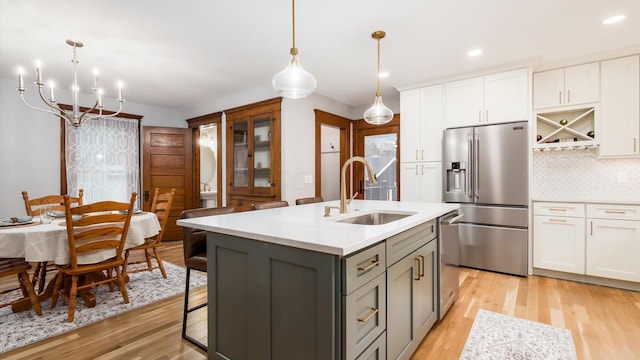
178,53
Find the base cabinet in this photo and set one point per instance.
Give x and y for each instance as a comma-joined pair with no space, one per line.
613,243
411,301
269,301
601,242
558,237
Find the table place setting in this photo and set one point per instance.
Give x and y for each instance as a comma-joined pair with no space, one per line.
16,221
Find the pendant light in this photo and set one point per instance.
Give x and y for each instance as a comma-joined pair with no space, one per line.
293,82
378,114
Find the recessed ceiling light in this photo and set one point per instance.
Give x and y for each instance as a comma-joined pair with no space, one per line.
474,52
613,19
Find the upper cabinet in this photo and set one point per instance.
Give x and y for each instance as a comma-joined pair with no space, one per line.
421,124
567,86
253,154
620,107
488,99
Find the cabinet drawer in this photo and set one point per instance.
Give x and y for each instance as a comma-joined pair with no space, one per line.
558,209
365,316
377,350
617,212
362,267
403,244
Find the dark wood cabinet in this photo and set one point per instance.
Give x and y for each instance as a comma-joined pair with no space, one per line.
253,154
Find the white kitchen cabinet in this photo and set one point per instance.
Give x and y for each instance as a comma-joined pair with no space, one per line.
578,84
488,99
619,131
596,240
421,181
421,124
558,237
464,102
558,243
613,242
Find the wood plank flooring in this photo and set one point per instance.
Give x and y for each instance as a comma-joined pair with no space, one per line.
605,322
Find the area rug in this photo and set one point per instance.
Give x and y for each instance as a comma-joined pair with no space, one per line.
497,336
17,330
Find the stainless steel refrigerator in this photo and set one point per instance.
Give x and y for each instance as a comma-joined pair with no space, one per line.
486,170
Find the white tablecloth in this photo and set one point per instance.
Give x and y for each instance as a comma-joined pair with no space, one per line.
48,242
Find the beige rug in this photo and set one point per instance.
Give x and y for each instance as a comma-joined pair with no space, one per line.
497,336
23,328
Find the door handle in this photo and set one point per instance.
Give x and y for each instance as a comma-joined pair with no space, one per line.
373,263
417,272
146,195
421,265
476,166
467,172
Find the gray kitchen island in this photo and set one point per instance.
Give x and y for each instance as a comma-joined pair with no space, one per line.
289,283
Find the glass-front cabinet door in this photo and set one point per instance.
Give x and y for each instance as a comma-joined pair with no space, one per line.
262,152
240,130
253,154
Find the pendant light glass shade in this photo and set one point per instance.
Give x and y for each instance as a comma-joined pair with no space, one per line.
378,114
294,82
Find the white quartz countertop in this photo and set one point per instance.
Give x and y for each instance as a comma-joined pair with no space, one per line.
305,227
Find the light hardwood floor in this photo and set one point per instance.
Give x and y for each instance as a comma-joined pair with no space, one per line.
605,322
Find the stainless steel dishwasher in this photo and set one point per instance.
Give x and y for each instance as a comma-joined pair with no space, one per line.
449,253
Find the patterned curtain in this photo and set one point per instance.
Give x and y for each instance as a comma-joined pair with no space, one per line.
102,157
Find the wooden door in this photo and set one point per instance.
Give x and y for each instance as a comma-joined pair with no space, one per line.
344,125
383,157
168,163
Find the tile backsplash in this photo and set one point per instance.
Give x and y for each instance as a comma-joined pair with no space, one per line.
578,175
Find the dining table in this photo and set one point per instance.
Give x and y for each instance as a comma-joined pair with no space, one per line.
41,243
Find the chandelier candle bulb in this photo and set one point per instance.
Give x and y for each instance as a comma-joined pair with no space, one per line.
38,74
51,97
20,81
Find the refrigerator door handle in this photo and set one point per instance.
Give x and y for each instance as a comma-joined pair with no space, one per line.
469,166
476,166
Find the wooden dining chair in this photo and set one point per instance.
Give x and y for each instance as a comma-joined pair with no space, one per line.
194,245
18,266
34,206
161,206
103,226
269,205
309,200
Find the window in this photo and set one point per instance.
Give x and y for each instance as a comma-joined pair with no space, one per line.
103,158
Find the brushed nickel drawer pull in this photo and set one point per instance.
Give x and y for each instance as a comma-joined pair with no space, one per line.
373,312
417,158
568,96
557,209
558,220
615,212
373,263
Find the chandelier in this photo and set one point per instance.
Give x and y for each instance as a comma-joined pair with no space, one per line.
74,117
378,114
293,82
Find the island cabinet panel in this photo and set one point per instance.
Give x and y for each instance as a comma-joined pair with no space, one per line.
268,301
411,300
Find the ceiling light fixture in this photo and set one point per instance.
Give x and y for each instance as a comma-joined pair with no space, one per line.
294,82
474,52
74,116
378,114
613,19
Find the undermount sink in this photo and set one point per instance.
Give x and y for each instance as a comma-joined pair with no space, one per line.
376,218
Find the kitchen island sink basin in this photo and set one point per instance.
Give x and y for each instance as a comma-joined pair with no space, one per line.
376,218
